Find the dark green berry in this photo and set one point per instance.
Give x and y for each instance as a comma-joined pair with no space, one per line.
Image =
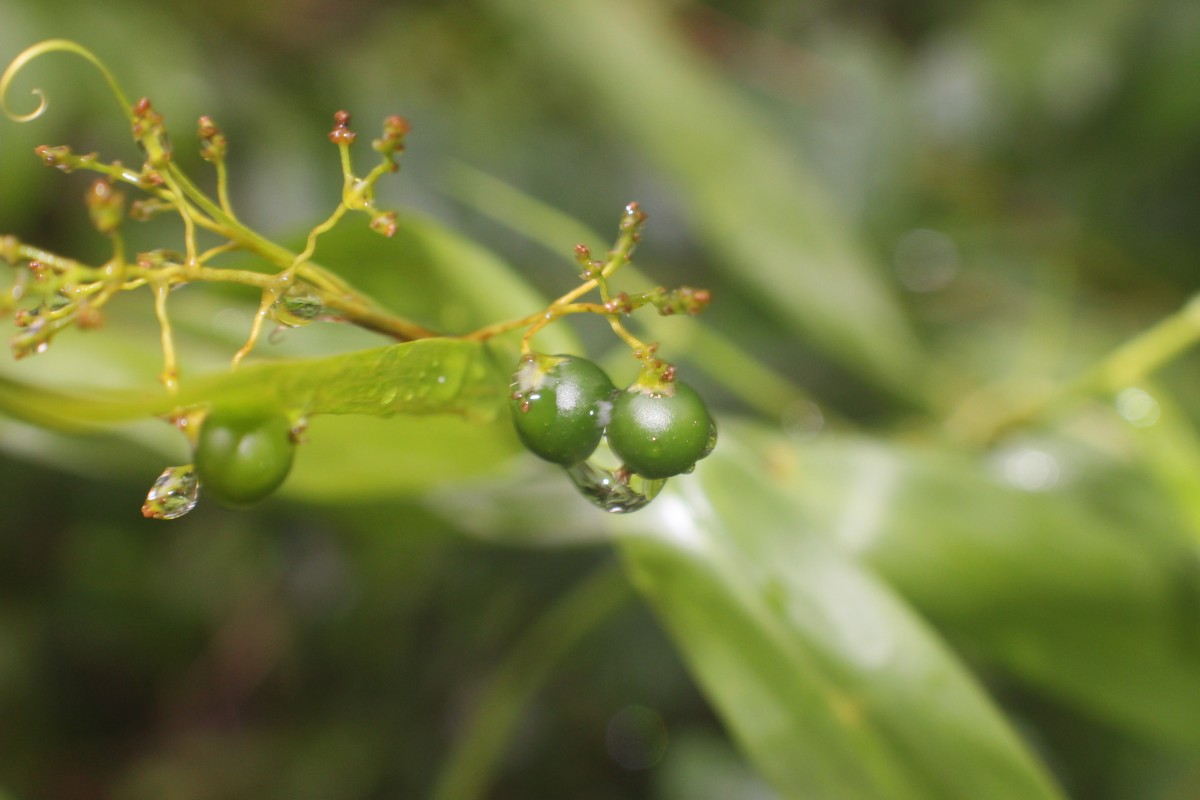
662,431
559,406
243,456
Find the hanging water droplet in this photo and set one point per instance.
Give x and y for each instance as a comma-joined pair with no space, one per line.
28,344
711,444
292,311
174,493
614,491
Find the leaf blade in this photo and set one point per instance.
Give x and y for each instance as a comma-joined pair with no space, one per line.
832,686
428,376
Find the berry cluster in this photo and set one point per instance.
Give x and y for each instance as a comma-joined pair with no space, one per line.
563,406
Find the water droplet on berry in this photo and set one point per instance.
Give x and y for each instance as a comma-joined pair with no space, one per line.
174,493
711,444
614,491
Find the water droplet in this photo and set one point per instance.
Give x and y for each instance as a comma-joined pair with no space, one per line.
614,491
636,737
711,444
388,396
292,311
1138,407
802,420
41,347
1031,469
174,493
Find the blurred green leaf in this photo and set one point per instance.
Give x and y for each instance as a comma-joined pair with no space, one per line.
352,458
471,768
747,189
1089,590
833,687
434,275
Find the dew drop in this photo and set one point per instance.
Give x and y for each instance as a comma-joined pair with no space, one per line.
1138,407
711,444
174,493
613,490
293,311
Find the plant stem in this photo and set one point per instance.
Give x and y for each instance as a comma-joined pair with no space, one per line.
1128,363
470,768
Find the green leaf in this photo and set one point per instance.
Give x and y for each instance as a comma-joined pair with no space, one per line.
356,458
1089,590
430,376
833,687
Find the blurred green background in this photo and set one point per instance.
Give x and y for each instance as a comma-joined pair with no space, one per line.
913,216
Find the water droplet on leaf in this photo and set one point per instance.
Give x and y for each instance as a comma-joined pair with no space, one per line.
614,491
174,493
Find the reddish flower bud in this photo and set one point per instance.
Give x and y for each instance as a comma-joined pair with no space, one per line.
341,133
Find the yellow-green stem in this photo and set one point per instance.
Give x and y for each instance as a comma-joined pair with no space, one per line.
1128,363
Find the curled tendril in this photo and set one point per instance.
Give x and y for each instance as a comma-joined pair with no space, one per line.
54,46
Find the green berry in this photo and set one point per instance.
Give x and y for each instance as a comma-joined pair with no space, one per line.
243,456
559,406
662,431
